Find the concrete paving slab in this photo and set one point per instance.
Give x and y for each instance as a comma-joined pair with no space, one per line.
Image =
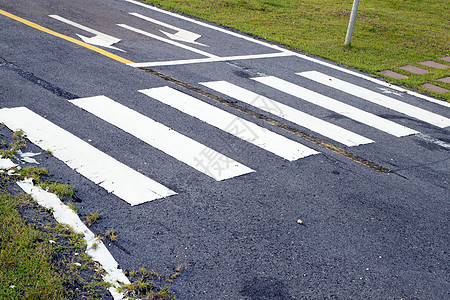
445,79
447,58
414,69
393,74
433,64
434,88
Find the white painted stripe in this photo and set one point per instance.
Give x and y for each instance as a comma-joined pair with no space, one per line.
157,22
324,128
305,57
208,60
159,136
65,215
90,162
156,37
378,98
100,39
337,106
207,25
85,28
181,35
374,80
228,122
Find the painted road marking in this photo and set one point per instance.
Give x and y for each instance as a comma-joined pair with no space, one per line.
430,139
94,246
203,24
67,38
378,98
154,36
287,52
302,56
208,60
336,106
100,39
180,35
160,136
374,80
322,127
267,119
100,168
227,122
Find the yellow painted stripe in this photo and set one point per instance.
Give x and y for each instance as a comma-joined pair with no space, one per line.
67,38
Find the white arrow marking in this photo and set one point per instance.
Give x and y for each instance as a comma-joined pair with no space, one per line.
100,39
181,34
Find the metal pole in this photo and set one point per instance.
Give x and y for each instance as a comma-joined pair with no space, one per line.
351,24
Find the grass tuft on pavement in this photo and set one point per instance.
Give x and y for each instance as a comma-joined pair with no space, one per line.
387,34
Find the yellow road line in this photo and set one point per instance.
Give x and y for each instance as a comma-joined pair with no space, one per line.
269,120
65,37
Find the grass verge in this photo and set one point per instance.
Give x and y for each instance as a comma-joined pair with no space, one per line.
39,258
388,33
42,259
25,267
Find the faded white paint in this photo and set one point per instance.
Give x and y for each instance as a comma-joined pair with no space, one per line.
6,164
27,157
431,139
95,247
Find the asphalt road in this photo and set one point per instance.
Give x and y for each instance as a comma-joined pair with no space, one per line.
375,212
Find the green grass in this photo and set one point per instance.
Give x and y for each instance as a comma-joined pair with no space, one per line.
388,33
18,142
36,258
43,259
92,219
25,267
147,285
60,190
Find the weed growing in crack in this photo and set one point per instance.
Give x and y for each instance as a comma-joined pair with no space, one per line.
92,219
73,207
32,172
60,190
149,284
111,235
45,253
18,142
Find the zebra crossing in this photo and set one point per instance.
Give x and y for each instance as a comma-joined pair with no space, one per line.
382,100
225,121
336,106
85,159
298,117
156,134
136,188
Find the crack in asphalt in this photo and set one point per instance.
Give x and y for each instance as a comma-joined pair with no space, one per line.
36,80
